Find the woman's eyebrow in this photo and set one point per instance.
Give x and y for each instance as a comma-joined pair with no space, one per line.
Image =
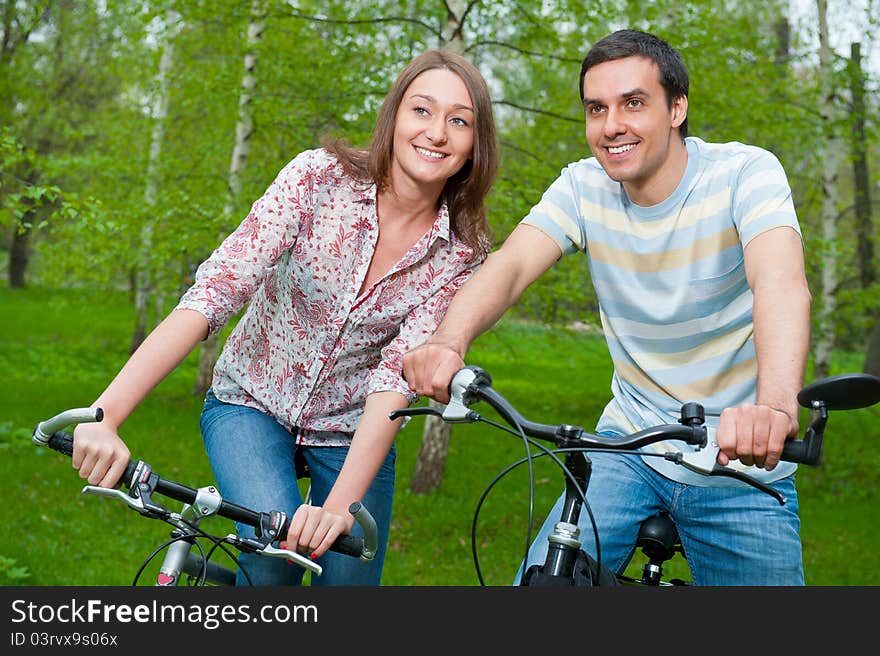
434,100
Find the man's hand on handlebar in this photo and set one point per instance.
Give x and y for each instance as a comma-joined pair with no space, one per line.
99,454
429,368
754,435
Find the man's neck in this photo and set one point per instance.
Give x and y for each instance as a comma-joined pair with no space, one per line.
662,185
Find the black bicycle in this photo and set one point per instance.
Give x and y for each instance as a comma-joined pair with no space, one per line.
184,552
566,563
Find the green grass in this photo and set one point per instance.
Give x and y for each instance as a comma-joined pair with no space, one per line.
58,349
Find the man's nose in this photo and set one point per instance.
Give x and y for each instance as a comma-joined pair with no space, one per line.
614,123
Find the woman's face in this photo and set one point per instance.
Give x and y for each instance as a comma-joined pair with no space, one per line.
433,131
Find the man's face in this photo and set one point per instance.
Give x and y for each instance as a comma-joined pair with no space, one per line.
631,129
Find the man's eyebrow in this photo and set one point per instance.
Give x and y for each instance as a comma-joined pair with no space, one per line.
434,100
638,91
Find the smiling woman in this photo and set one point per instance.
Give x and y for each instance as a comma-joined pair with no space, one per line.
349,258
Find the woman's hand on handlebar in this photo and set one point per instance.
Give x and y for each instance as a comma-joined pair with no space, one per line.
314,528
429,368
754,435
99,454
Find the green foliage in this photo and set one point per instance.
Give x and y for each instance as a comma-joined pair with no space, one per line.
81,99
11,573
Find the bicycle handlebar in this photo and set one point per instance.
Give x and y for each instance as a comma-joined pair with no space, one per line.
842,392
472,384
141,482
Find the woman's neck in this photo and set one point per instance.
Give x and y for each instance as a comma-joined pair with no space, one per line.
407,205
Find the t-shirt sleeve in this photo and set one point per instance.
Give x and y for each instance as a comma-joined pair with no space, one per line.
558,216
762,197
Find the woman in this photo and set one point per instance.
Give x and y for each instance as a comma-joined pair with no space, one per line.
349,259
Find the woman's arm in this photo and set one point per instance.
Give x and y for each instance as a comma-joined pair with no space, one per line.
313,529
98,452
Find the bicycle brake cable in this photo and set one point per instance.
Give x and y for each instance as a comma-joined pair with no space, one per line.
528,459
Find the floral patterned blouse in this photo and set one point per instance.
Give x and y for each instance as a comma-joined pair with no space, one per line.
308,349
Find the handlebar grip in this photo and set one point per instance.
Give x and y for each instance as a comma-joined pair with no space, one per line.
61,442
807,452
349,545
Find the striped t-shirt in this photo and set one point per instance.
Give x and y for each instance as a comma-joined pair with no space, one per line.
670,279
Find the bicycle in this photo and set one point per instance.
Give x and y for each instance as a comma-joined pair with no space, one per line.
566,563
184,553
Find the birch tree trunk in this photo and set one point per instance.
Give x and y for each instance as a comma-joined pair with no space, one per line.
244,128
145,314
431,460
830,157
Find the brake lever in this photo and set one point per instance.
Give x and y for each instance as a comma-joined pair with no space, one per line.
269,550
454,413
140,496
412,412
718,470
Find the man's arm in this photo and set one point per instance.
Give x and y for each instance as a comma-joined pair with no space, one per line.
755,434
497,284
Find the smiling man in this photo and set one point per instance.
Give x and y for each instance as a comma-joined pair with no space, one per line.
697,260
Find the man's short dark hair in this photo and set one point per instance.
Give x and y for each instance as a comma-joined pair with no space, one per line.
633,43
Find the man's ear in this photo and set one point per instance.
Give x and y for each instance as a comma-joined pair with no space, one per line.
679,111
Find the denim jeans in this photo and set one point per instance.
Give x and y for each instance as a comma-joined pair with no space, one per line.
731,535
252,458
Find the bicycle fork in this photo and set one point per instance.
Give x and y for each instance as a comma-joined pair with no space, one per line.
564,553
565,541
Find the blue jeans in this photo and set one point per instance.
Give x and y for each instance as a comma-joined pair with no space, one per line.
252,458
731,535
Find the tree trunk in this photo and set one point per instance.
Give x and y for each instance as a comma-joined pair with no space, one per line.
244,129
872,357
20,247
19,255
830,156
431,461
144,292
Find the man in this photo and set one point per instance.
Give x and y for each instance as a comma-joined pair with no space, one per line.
696,256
